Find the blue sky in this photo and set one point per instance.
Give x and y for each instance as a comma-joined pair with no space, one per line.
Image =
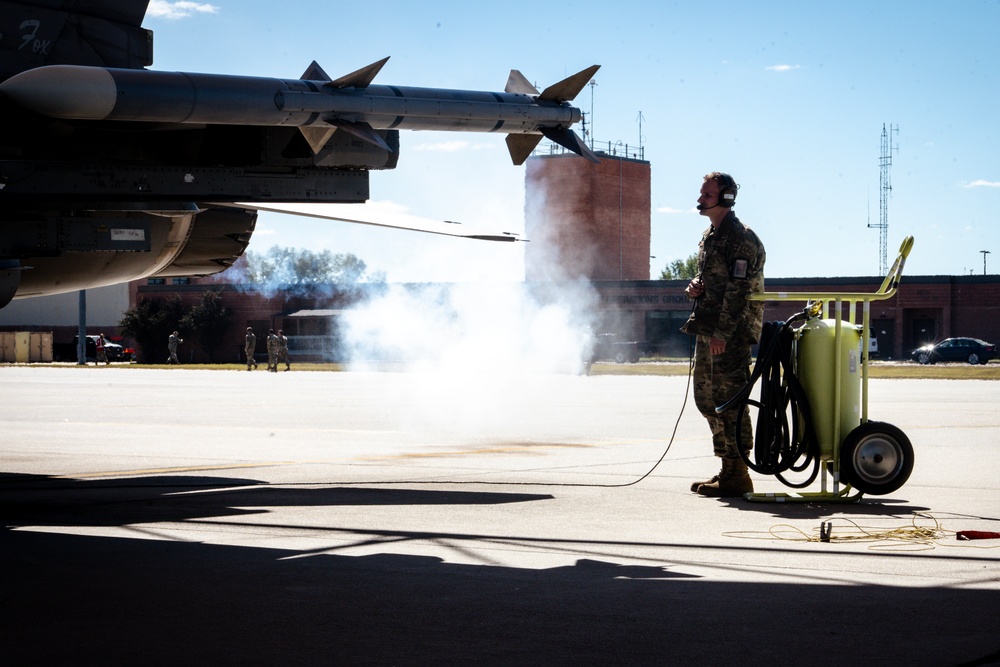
789,97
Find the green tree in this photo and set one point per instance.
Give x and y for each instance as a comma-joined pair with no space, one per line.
149,324
208,320
294,266
681,269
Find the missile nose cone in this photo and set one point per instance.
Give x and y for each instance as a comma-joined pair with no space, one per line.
64,91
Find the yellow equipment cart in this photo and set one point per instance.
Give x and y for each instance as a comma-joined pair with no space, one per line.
828,368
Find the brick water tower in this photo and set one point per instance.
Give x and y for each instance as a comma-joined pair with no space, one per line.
587,220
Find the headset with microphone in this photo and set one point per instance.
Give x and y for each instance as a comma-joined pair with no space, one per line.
727,191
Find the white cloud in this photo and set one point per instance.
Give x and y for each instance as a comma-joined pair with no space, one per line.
163,9
668,209
982,184
781,68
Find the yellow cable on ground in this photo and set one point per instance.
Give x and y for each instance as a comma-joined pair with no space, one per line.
913,537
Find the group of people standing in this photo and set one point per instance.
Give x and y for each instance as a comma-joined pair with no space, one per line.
277,350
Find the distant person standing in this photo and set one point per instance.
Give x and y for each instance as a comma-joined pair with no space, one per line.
102,353
272,351
249,347
172,342
283,351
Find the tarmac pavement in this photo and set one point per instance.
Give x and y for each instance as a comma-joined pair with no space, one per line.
168,516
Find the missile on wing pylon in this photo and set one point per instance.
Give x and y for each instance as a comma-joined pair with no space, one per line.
316,104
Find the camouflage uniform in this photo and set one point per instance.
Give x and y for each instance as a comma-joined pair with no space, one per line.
172,348
272,351
731,266
249,347
283,351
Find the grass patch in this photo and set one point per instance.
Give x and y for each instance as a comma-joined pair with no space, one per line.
666,367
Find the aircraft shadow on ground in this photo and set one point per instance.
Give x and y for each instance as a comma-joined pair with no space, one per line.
85,599
42,500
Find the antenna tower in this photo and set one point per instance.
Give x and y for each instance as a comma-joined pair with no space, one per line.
885,162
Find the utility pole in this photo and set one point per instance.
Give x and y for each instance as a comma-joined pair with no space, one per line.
985,252
592,84
640,119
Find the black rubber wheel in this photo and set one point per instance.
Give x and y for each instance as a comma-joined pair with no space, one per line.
876,458
974,359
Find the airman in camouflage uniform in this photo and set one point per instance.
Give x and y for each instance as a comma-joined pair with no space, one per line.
249,346
726,324
172,341
283,351
272,351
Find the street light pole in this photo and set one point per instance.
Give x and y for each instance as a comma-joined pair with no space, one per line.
985,252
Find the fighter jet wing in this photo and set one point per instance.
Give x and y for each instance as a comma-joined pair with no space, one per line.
379,216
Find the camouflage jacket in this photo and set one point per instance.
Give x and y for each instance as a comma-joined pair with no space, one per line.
731,267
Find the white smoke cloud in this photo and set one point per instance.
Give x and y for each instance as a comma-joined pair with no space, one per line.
981,183
466,348
472,328
162,9
465,345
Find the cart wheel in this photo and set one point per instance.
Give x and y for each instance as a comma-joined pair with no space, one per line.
876,458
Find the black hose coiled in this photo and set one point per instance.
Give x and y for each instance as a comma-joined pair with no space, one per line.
778,447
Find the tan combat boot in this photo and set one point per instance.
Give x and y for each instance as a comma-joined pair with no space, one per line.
734,480
695,485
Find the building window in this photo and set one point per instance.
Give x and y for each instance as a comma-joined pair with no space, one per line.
180,281
156,281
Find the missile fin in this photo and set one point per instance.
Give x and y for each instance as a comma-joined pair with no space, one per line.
316,137
516,83
361,78
315,73
362,131
570,87
568,139
521,145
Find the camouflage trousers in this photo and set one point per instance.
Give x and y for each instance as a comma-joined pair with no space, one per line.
717,379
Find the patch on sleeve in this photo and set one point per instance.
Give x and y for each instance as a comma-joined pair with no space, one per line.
748,250
740,268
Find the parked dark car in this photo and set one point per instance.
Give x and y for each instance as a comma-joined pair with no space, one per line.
972,350
611,347
114,351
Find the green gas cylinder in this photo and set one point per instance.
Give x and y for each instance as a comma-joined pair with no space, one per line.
818,369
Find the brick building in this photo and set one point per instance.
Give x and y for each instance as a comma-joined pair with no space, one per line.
587,220
924,309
